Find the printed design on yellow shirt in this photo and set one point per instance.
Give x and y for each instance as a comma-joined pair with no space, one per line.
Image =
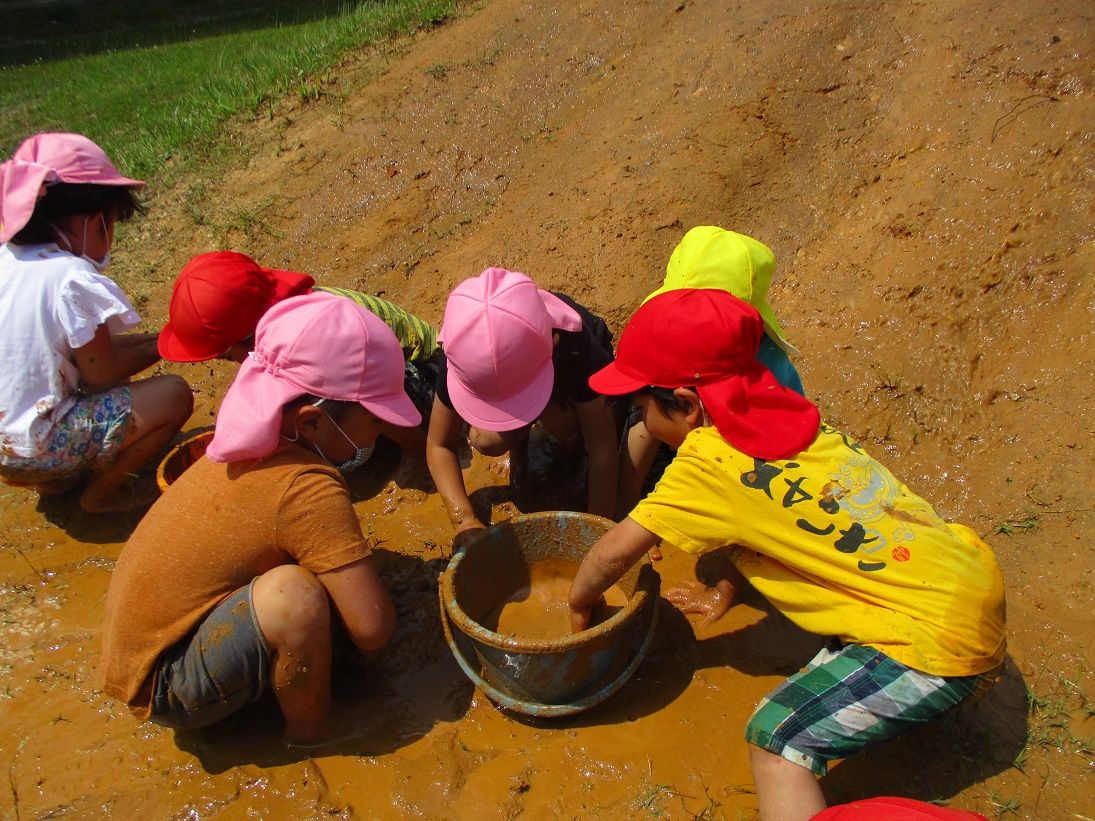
860,487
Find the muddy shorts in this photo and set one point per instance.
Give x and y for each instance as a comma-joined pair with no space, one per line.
849,697
88,437
215,671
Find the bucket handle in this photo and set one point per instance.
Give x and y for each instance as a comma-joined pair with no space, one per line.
535,709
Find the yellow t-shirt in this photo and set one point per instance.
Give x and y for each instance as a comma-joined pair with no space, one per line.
839,546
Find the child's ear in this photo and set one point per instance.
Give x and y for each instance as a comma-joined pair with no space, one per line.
306,421
693,413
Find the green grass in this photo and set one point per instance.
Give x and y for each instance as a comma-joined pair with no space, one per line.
162,89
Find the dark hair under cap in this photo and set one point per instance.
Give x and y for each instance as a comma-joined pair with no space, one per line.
64,199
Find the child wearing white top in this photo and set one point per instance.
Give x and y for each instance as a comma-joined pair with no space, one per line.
67,407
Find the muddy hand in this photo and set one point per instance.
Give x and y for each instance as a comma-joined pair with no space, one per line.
698,598
579,619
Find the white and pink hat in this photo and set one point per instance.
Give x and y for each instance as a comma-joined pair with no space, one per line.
319,344
46,158
497,336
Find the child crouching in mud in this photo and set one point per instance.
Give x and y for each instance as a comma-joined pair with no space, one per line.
822,530
228,582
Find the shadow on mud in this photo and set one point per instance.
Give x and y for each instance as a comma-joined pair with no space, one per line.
93,528
938,761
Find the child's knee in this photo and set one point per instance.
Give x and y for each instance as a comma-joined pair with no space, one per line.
178,395
492,443
290,599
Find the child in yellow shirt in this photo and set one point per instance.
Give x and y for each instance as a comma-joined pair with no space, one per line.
915,605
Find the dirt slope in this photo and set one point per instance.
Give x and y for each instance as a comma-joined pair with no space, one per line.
923,172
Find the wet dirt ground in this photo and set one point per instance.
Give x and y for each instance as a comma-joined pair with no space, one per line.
923,172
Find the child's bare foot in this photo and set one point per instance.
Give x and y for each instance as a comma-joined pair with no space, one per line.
709,602
132,494
346,722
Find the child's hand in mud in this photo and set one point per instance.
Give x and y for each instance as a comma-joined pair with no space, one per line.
582,618
698,598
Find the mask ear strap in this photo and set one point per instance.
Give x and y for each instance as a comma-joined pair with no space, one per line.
62,236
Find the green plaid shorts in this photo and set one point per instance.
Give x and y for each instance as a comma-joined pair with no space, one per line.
850,697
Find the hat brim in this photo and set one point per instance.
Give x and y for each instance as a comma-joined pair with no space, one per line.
773,329
174,349
562,315
611,381
509,413
398,409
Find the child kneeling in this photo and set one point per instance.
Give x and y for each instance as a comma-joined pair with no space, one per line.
227,583
822,530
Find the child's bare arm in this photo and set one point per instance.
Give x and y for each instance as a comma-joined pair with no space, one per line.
102,363
442,442
636,459
604,565
362,602
599,433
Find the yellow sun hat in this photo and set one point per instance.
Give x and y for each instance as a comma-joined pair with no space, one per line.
712,257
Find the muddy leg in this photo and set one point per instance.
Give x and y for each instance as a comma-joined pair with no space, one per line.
785,791
295,618
161,406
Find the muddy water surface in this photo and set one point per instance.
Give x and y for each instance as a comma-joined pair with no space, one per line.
540,609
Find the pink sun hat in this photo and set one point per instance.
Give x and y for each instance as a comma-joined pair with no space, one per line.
318,344
497,336
48,158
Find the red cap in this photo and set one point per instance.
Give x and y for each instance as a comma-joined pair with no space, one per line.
707,338
217,301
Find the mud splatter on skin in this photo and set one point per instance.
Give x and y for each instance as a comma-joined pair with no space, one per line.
934,278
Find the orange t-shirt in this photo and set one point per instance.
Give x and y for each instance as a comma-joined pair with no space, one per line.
217,528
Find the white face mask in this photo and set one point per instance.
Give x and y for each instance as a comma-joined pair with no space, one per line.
99,265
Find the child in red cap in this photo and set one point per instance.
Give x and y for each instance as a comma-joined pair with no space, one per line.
233,579
708,257
219,297
67,407
514,354
822,530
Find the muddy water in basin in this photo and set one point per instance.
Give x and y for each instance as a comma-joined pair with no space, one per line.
539,609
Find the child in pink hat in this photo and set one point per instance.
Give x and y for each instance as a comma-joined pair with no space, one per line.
514,354
219,297
234,578
67,407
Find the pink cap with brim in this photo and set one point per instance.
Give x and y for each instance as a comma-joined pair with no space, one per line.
318,344
707,339
497,336
44,159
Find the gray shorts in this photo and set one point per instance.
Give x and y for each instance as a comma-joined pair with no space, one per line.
221,667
